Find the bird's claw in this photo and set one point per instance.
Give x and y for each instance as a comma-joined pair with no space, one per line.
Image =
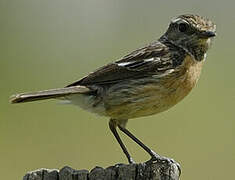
131,161
158,158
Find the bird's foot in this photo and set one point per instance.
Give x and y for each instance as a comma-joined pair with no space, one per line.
158,158
131,161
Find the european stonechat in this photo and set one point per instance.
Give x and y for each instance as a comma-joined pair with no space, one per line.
147,81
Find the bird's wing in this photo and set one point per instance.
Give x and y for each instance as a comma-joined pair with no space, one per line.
156,58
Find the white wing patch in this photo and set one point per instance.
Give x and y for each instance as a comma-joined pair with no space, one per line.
204,58
124,63
149,60
128,64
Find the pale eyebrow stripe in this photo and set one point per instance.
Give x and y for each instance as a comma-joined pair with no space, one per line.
178,19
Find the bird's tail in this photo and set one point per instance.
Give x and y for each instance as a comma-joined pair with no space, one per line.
48,94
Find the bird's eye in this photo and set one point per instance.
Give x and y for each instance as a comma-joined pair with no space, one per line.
183,27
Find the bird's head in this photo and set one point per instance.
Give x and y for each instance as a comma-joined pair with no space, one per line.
193,33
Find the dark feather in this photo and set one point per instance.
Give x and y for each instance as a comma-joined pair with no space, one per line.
49,94
164,56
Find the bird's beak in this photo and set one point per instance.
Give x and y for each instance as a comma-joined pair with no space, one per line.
207,34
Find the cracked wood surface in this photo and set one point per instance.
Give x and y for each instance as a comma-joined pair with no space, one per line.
143,171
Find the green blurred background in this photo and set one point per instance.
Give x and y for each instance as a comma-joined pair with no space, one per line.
48,44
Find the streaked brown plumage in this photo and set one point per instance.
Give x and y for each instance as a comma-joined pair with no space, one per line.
158,95
147,81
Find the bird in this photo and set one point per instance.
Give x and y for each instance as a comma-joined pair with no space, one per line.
147,81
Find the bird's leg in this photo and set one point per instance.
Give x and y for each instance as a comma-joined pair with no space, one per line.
112,127
154,155
146,148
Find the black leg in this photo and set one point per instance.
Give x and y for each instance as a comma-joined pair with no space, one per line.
147,149
112,126
154,156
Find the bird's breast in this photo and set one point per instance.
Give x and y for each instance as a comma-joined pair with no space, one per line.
180,83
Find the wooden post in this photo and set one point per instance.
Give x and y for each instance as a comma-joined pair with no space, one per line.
150,170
